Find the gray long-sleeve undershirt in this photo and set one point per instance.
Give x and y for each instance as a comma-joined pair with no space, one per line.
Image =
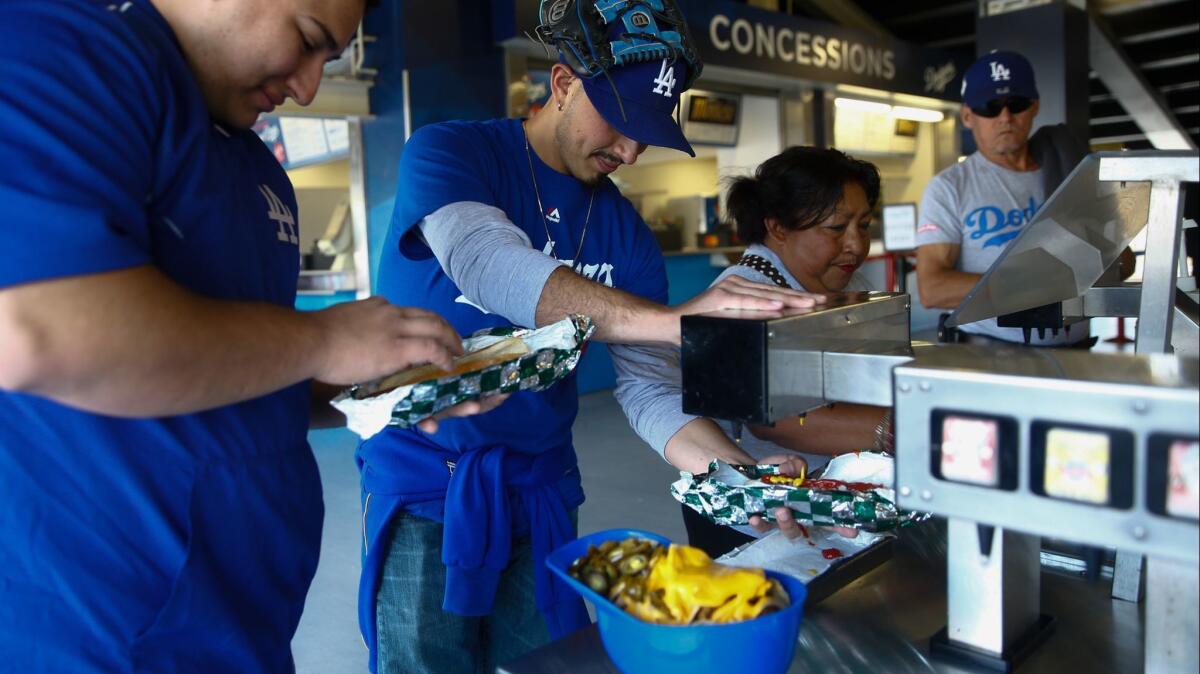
492,262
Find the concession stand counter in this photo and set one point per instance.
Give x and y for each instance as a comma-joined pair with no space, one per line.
1003,445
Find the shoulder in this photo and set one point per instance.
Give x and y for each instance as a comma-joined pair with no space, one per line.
79,34
744,272
462,134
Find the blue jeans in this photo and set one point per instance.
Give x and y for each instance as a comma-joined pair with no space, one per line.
417,637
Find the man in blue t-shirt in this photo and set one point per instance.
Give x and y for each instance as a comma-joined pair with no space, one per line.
516,222
160,508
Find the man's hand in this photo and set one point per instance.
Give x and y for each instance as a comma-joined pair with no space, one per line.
735,292
371,338
466,409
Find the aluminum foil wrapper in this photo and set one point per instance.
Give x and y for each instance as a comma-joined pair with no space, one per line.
554,351
730,495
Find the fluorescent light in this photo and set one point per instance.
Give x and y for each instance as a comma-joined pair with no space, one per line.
859,104
917,114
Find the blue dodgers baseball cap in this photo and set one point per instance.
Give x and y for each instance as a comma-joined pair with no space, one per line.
997,75
643,106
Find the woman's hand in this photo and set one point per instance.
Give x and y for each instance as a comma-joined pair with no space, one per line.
791,466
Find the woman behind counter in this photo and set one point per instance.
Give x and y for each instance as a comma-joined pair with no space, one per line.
805,215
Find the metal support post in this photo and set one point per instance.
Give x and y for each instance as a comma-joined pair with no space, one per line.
1172,630
993,596
1158,280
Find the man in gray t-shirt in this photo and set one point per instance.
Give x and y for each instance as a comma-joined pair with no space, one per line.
971,211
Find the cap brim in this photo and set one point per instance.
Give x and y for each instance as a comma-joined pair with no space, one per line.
640,123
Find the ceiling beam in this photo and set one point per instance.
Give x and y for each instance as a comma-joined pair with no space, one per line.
1161,34
1129,86
849,14
947,9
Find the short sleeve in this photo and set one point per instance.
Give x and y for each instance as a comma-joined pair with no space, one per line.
937,220
441,164
78,110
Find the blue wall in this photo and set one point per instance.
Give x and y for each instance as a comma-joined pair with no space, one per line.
455,72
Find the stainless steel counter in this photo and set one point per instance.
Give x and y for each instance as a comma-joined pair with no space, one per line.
882,623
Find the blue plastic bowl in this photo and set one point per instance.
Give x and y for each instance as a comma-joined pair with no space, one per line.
764,645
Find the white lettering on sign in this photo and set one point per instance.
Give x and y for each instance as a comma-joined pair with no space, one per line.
807,49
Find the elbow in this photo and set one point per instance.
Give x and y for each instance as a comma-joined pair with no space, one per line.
929,291
23,356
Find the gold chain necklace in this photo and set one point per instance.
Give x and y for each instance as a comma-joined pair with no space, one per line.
542,210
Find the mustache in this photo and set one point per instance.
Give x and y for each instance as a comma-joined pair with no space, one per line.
608,157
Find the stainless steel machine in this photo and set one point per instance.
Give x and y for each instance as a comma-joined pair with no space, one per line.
1012,443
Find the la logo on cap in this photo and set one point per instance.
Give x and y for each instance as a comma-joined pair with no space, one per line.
999,72
665,82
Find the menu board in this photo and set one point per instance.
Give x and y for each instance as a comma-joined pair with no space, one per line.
1078,465
970,447
900,227
711,118
300,141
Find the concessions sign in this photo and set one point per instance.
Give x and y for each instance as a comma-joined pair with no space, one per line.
740,36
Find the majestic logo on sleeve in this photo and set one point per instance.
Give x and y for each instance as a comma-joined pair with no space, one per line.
282,215
665,82
553,215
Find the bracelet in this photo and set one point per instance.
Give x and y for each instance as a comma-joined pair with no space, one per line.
885,434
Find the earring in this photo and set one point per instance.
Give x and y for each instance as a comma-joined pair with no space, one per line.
560,107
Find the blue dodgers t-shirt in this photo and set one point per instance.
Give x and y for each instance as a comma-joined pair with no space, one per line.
184,543
485,162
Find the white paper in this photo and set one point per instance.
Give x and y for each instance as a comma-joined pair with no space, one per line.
801,557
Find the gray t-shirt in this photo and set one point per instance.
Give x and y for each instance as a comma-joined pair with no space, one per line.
981,207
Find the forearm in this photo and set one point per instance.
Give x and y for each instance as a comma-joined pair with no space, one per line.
619,316
698,443
837,430
133,343
945,288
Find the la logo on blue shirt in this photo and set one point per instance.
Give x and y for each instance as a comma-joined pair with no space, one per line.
989,221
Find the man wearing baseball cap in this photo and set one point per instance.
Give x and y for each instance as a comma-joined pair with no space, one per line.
971,211
515,222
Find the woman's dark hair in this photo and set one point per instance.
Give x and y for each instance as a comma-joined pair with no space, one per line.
799,187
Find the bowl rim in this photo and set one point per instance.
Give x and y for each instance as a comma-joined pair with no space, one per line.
560,560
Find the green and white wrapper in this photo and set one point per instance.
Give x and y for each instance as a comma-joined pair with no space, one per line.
729,495
554,351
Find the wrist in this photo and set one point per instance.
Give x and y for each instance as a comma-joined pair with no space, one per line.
666,324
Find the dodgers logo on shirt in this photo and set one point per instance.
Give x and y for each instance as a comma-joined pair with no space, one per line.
997,225
282,215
